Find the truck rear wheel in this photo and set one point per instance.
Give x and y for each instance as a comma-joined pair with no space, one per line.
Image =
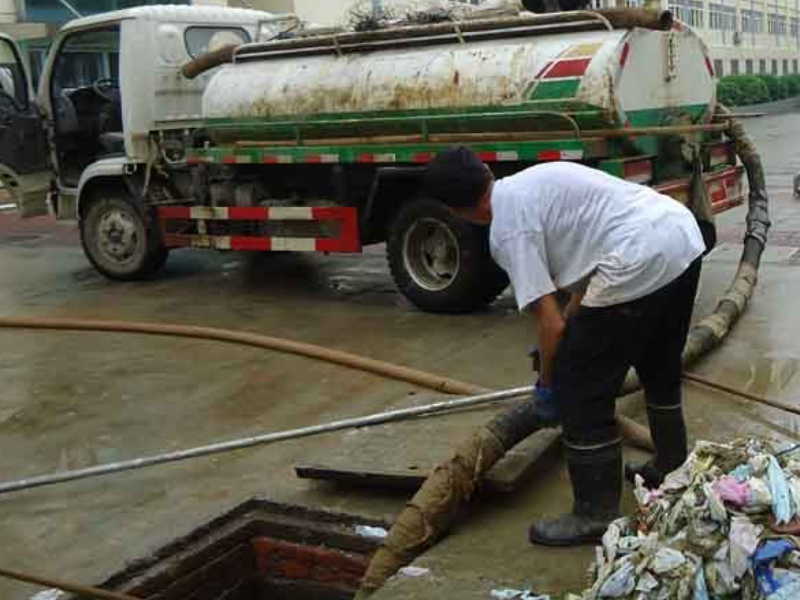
118,240
440,262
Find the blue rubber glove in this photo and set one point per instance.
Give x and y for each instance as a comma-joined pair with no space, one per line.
546,404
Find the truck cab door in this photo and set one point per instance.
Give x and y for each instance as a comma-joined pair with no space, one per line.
24,171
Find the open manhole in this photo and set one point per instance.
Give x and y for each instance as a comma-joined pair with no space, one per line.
259,551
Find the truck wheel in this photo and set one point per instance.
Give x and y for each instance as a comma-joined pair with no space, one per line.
118,240
440,262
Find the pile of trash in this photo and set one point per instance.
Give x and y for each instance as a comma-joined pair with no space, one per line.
365,15
721,526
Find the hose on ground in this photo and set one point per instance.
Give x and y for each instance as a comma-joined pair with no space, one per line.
636,434
430,513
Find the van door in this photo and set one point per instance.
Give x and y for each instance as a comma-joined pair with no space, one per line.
24,171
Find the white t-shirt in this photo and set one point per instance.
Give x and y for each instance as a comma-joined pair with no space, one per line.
563,225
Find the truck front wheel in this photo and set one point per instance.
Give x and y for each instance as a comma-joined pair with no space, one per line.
118,240
440,262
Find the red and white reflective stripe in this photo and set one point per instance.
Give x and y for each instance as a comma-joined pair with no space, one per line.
498,156
237,159
347,241
240,243
277,159
640,171
322,158
724,189
376,158
560,155
195,159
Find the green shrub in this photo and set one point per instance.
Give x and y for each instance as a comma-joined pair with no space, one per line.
741,90
738,90
793,84
729,93
777,86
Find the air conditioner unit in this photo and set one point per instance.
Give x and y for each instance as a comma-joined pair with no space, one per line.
737,38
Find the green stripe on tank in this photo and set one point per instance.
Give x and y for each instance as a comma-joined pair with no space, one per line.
654,117
550,90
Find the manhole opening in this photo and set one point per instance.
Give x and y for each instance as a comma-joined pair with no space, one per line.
259,551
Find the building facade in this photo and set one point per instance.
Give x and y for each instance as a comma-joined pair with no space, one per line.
746,37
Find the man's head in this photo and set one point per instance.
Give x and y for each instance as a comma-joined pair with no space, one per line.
458,178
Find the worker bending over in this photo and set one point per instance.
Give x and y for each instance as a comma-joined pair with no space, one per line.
630,257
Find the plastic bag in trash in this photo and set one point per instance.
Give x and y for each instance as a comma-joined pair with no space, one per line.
763,559
733,491
782,504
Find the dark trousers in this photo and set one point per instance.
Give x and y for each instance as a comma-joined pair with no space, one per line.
601,344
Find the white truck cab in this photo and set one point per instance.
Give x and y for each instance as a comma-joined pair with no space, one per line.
111,82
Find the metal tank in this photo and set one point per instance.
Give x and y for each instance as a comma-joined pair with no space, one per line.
632,77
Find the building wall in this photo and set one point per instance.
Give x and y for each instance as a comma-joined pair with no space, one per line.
327,12
746,36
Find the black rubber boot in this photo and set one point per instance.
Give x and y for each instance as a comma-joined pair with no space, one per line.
596,474
669,437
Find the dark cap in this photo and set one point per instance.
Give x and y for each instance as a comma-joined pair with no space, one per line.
457,177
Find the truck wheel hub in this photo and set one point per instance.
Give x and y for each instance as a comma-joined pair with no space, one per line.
118,239
431,254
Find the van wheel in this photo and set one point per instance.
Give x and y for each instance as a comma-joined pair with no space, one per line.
118,240
440,262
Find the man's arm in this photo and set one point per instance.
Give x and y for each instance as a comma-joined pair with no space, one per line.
549,329
574,304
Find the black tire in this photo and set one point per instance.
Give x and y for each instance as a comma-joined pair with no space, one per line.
118,239
442,263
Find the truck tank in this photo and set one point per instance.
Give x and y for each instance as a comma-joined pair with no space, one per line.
546,78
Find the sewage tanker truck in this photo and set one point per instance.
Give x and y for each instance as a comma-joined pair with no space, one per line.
318,142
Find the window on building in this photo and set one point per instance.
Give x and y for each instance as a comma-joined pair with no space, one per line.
785,66
718,71
54,11
794,66
721,17
762,66
748,66
774,67
776,24
734,66
794,26
688,11
752,21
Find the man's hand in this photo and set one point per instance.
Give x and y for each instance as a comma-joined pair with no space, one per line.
549,329
546,406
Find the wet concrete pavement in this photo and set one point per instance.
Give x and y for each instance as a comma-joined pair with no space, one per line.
72,400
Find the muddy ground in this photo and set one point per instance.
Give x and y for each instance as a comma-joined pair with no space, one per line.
74,400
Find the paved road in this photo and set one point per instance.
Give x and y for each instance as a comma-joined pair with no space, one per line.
72,400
